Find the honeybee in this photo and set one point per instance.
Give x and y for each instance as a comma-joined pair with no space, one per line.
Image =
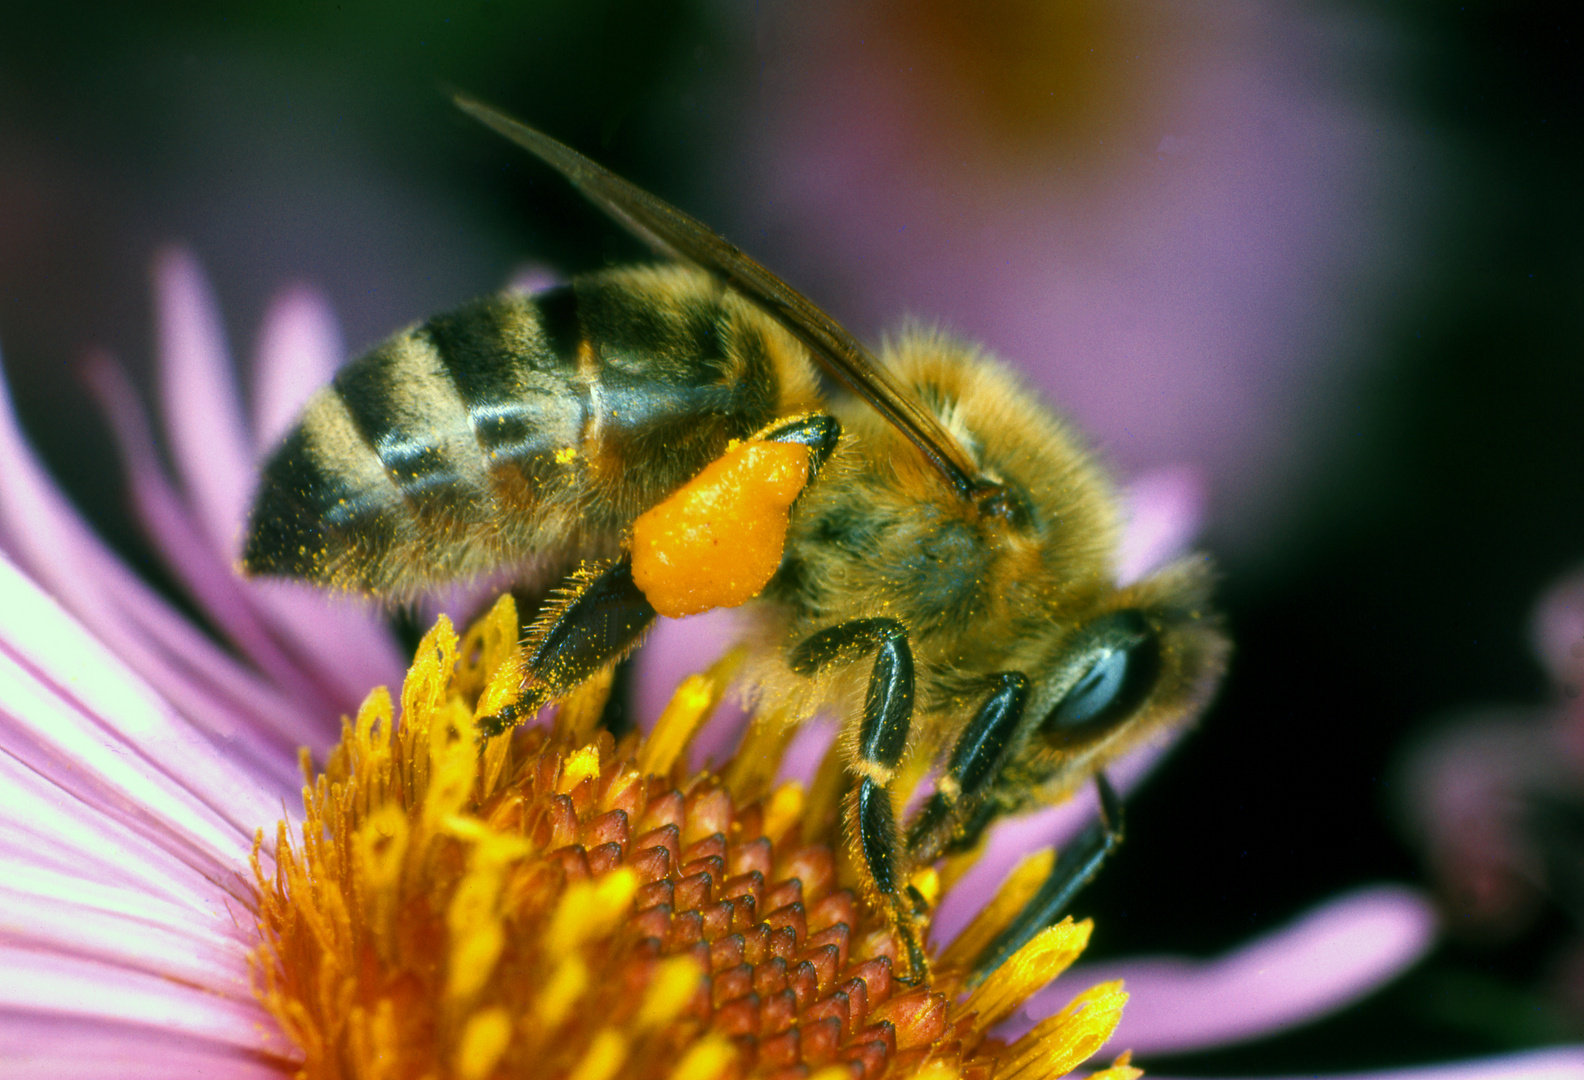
947,581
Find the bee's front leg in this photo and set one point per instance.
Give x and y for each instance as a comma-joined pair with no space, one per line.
882,739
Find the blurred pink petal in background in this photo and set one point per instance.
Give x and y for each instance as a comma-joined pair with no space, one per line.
1344,950
1180,223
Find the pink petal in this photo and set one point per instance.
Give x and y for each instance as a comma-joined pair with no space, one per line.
72,712
60,913
808,748
532,277
42,531
1551,1063
675,649
1558,630
198,392
298,351
343,641
58,985
188,554
1323,961
1165,512
36,1047
123,833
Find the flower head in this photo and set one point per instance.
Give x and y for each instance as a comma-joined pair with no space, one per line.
556,901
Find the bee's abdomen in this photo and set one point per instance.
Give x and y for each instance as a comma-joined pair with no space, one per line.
518,426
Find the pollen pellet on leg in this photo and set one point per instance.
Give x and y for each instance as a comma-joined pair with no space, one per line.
717,540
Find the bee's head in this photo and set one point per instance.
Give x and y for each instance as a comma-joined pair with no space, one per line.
1146,661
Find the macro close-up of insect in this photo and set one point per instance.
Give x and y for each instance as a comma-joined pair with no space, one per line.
875,541
927,553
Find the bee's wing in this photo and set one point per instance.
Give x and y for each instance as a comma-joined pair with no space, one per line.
677,234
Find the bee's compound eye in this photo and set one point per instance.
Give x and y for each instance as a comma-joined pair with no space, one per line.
1125,664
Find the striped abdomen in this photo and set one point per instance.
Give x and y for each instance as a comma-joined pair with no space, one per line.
518,427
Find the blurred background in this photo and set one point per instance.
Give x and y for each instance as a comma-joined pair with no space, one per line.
1327,255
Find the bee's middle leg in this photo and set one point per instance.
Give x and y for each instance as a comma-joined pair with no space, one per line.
950,819
882,740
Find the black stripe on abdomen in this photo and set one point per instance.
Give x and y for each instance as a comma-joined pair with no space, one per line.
310,522
513,362
407,411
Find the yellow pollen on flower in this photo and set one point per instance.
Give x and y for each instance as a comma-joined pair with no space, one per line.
580,765
557,903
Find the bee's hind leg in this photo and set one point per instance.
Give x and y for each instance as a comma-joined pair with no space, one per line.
882,739
1075,867
597,620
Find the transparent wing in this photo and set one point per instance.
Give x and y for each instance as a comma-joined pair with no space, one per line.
684,237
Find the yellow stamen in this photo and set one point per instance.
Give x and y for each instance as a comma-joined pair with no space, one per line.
1016,891
580,765
763,745
1121,1069
563,991
604,1057
672,989
589,909
705,1059
688,708
484,1040
786,806
1061,1042
1045,956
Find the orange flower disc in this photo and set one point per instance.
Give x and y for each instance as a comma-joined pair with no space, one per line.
717,540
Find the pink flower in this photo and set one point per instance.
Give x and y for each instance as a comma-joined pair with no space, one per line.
1177,220
140,755
1489,794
